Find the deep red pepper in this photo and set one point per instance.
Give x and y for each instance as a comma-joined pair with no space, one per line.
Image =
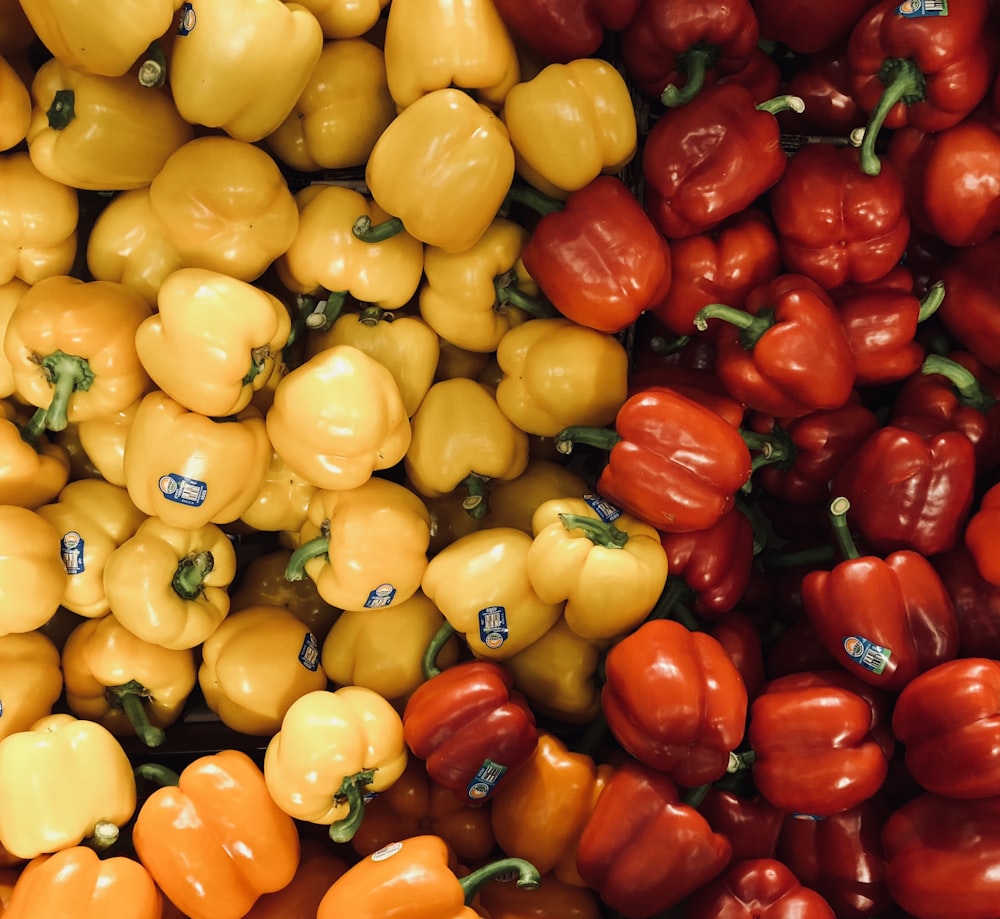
981,534
808,27
673,48
738,633
761,76
787,354
822,84
798,649
751,824
701,386
644,850
976,602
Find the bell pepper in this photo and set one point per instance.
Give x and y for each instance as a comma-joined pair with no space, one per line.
414,879
223,204
61,781
34,469
502,900
339,417
836,223
10,293
751,824
977,536
806,28
168,585
740,635
71,346
318,868
40,218
513,501
432,45
346,18
282,503
66,882
929,67
32,569
442,169
822,83
598,258
571,123
189,469
356,651
212,838
837,756
15,106
93,518
416,805
690,189
673,49
975,600
663,852
102,440
652,471
99,132
31,680
910,486
333,748
969,311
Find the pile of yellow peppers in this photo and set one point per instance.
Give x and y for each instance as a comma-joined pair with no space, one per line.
252,460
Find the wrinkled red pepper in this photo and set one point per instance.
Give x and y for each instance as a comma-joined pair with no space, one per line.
808,27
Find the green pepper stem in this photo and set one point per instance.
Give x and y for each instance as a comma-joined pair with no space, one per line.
317,547
258,358
971,393
531,197
428,663
372,315
153,69
694,62
508,293
599,532
815,555
62,110
604,438
669,605
68,374
904,82
784,103
527,876
130,698
839,507
693,797
751,327
368,232
476,502
665,347
351,791
739,762
105,835
159,775
32,431
931,301
188,580
772,449
325,312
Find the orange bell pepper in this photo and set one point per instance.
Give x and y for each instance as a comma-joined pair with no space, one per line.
8,878
318,869
212,838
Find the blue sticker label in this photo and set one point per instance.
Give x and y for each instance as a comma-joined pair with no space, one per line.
380,597
493,626
917,9
186,23
1,708
485,780
71,547
866,653
182,490
813,817
309,652
604,509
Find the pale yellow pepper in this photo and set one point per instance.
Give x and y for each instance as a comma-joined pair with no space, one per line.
33,469
15,106
10,293
103,441
513,502
346,18
282,503
459,362
32,575
30,680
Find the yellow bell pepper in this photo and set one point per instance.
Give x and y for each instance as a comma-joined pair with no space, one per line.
38,222
346,18
15,106
435,44
480,584
100,133
127,244
10,295
326,256
473,298
450,519
255,665
32,576
342,111
214,340
460,438
62,781
339,417
442,168
591,383
333,747
100,36
71,345
365,547
406,345
131,686
608,568
240,65
30,680
190,469
169,586
224,205
32,469
570,124
92,518
103,441
16,33
282,503
513,503
458,362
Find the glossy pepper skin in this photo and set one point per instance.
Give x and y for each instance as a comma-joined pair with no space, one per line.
346,20
806,28
503,900
977,536
319,866
751,824
969,310
34,469
663,852
15,109
31,569
212,838
31,679
757,887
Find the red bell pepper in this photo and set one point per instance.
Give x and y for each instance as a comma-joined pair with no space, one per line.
808,27
673,463
976,602
948,721
822,85
751,824
787,354
911,64
739,635
942,856
698,385
675,701
673,48
643,849
720,266
910,486
836,224
761,75
712,158
598,258
797,649
757,888
564,30
980,536
884,620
